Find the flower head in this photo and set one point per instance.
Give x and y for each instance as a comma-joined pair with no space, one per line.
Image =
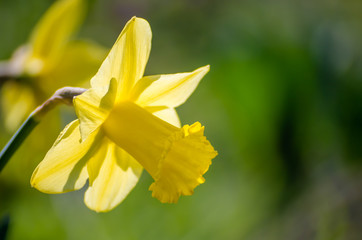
127,122
49,60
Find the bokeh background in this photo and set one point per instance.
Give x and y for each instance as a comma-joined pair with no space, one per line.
282,104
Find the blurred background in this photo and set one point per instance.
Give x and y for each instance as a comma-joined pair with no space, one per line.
282,104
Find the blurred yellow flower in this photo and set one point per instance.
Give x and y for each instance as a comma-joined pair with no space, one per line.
48,61
128,122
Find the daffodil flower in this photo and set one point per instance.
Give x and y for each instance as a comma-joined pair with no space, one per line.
127,122
48,61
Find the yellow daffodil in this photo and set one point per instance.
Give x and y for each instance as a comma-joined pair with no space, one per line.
47,62
127,122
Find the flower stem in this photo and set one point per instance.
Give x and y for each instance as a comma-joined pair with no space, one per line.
17,139
4,225
62,96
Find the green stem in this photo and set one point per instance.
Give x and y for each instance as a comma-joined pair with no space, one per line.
4,225
17,140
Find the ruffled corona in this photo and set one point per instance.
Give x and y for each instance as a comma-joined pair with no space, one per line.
182,167
176,158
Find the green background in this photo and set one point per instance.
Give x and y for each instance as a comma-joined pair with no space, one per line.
282,104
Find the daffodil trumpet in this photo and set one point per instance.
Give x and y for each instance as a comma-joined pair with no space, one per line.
61,96
126,123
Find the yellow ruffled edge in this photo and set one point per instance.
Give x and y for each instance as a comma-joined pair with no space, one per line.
183,164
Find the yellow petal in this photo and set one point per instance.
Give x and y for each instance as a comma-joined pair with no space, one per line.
17,102
92,109
176,158
64,166
127,59
166,114
167,90
78,63
52,32
112,175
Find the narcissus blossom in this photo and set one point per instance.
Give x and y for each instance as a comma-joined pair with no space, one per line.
127,122
48,61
